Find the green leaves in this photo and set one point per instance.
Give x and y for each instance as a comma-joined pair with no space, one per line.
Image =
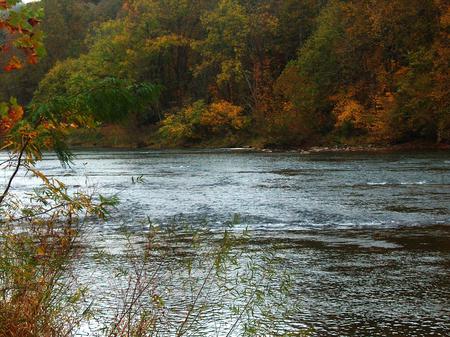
102,100
111,99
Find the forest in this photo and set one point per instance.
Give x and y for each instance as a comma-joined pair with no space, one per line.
270,73
214,220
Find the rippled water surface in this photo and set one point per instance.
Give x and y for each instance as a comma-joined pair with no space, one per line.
366,236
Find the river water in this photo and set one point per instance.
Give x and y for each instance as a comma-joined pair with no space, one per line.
365,236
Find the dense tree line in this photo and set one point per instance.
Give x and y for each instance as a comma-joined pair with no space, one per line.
285,72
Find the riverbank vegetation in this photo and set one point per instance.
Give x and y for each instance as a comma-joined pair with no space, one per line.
43,230
187,73
274,73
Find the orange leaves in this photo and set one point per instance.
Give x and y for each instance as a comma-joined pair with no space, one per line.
13,64
349,110
13,115
5,126
18,27
353,117
13,28
223,115
32,57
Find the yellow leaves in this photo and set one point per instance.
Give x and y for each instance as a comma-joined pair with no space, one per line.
199,121
223,115
231,70
166,41
174,129
41,251
349,110
41,176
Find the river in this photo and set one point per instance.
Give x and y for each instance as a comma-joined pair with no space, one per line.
365,235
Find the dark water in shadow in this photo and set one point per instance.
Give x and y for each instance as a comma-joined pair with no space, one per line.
365,236
373,283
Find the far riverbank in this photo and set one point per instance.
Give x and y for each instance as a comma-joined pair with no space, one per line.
117,137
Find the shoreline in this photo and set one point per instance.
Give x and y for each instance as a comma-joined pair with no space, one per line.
406,147
116,137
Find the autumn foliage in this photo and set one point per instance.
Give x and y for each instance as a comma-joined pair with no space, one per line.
18,26
11,114
199,122
300,71
22,43
376,69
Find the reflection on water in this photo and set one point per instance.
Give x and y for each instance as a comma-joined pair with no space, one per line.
365,236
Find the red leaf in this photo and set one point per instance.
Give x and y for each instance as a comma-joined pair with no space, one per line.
33,22
32,58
